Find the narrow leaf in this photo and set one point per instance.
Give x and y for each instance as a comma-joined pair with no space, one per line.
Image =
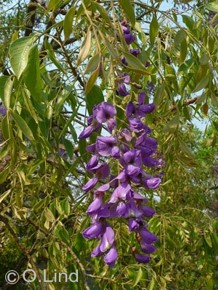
94,97
128,9
153,29
135,64
21,123
201,84
55,4
91,81
213,6
68,28
93,63
19,53
84,51
6,85
102,11
4,195
32,77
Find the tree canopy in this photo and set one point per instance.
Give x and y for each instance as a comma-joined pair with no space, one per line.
104,169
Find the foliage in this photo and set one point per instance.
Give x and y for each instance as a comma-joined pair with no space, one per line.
58,59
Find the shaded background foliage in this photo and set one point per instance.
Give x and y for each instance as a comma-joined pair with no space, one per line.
50,57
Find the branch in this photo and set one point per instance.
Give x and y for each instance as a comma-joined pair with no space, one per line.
186,103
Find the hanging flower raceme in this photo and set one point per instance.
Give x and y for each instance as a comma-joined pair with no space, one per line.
116,198
113,192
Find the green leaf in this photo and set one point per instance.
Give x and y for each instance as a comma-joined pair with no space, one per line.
128,9
183,51
189,22
138,277
153,29
32,77
4,195
55,4
85,48
49,215
111,49
5,128
82,150
21,123
68,27
172,126
202,83
208,239
94,97
93,63
19,53
213,6
135,64
6,85
62,234
4,175
69,147
65,206
102,11
152,284
91,81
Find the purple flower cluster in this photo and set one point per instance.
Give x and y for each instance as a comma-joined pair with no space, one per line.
113,189
133,149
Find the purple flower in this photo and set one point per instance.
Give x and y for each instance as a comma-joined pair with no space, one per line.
147,237
94,230
135,52
150,161
106,146
136,125
102,188
89,130
141,98
142,259
96,252
120,192
152,183
111,257
125,77
131,157
133,224
122,91
121,210
3,110
93,162
95,205
102,171
147,211
90,184
91,148
128,36
104,112
107,239
126,134
147,248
